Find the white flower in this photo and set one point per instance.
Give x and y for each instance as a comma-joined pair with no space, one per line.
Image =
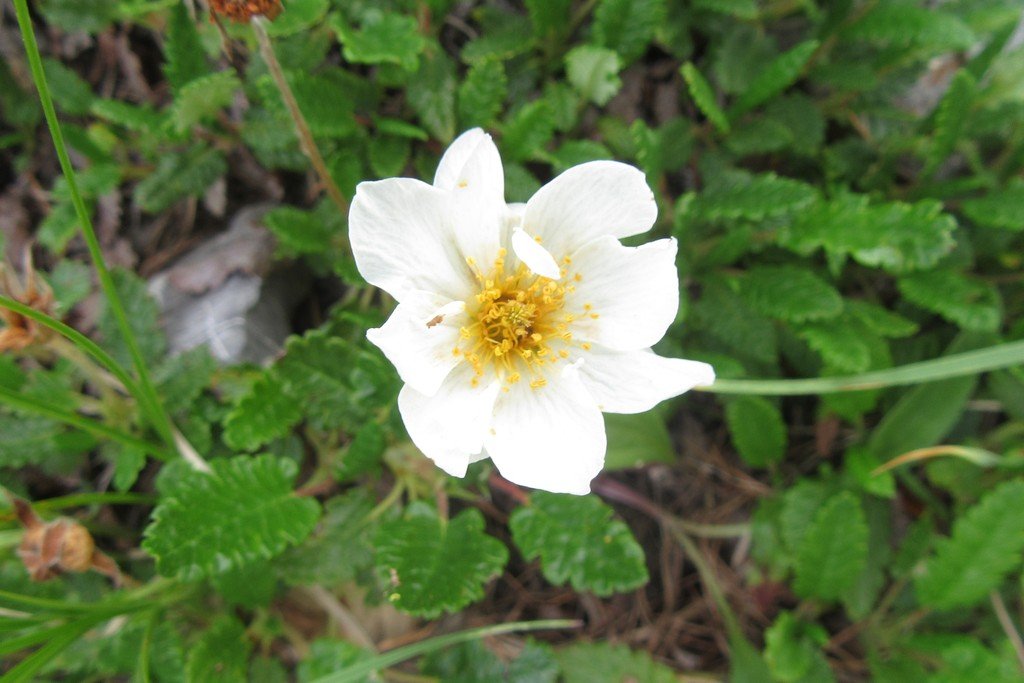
518,324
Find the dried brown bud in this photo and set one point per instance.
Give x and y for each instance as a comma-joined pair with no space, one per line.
20,332
244,10
49,549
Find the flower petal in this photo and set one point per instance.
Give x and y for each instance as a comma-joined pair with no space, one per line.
587,201
419,337
471,164
403,237
632,292
636,381
450,426
549,438
534,255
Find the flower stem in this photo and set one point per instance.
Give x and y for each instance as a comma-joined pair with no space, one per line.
956,365
147,396
306,141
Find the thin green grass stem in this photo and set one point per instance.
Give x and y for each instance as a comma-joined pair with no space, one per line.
359,670
149,400
21,402
957,365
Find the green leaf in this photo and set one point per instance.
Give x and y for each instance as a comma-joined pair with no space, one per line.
473,663
244,510
1003,209
778,75
35,440
202,98
178,176
482,94
860,464
896,236
792,648
754,197
594,72
335,382
431,94
550,18
985,545
265,413
222,653
607,663
904,25
183,50
431,566
383,38
389,155
250,586
330,656
973,304
143,318
627,26
527,131
704,97
842,345
298,15
181,378
741,9
634,440
339,550
579,542
758,430
364,454
833,551
300,232
71,94
950,117
881,321
790,293
323,99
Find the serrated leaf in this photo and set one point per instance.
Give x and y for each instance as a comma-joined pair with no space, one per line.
527,131
139,118
550,18
34,440
383,38
301,232
723,315
758,430
833,551
201,98
840,343
431,566
265,413
181,175
607,663
143,318
880,320
298,15
242,511
482,94
778,75
627,26
704,97
335,381
71,94
579,542
791,648
222,653
973,304
431,94
181,378
339,549
896,236
250,586
1003,209
634,440
790,293
741,9
904,24
323,99
950,117
389,155
985,545
363,455
594,72
507,35
472,662
754,197
183,50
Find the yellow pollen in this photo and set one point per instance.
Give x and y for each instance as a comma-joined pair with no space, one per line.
518,323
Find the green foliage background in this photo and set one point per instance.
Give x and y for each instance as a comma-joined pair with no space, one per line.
846,181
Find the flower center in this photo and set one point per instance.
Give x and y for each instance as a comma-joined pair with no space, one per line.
520,324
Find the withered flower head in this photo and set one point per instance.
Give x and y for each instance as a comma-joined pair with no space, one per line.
244,10
20,332
49,549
